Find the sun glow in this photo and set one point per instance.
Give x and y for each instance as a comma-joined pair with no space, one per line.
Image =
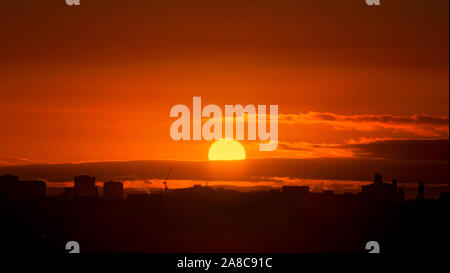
226,149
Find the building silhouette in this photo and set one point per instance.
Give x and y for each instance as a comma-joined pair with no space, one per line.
421,191
85,186
113,190
13,188
380,190
295,191
394,185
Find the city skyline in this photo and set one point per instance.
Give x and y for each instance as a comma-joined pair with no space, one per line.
202,219
87,185
198,131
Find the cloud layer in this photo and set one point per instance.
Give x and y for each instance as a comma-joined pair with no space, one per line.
418,124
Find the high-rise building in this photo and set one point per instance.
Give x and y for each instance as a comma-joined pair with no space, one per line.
113,190
394,185
421,191
85,186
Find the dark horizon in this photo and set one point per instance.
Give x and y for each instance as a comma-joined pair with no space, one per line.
339,175
434,171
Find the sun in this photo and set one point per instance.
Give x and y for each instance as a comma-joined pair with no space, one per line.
226,149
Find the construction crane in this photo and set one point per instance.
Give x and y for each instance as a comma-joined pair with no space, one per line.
165,180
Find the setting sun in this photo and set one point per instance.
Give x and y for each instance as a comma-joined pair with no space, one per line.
226,149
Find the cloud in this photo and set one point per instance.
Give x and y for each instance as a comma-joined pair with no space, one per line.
310,150
13,161
412,149
375,148
418,124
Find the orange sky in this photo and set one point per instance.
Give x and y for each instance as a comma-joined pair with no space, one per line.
96,82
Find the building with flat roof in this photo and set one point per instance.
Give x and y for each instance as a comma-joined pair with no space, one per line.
112,190
380,190
13,188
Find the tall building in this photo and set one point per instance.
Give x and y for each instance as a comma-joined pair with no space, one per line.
113,190
421,191
85,186
394,185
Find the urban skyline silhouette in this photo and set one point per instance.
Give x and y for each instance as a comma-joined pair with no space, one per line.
205,219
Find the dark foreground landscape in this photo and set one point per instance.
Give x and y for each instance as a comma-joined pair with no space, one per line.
206,220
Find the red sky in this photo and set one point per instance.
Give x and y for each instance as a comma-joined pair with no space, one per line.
96,82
